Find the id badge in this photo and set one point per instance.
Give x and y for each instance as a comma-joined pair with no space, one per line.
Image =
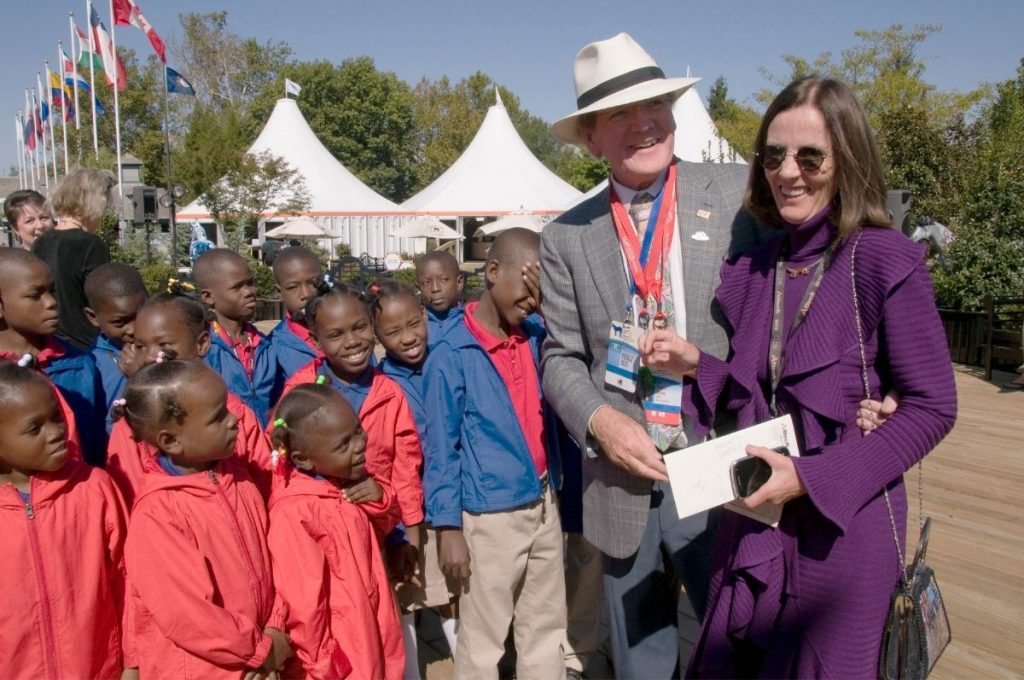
664,404
623,364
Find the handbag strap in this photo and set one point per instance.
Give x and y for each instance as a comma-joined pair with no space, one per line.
867,394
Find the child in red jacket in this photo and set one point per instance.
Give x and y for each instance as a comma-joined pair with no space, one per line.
61,557
173,326
201,595
340,324
326,558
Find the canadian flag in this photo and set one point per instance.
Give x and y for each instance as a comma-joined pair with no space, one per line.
127,13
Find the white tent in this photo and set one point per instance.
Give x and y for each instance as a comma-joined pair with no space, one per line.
495,175
346,208
697,138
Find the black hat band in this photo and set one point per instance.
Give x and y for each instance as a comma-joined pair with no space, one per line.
618,83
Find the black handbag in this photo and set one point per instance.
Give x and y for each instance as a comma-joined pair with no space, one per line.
917,628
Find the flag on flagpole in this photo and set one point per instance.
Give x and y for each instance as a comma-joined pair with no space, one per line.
291,87
61,94
177,84
127,13
87,55
102,42
84,86
69,64
29,133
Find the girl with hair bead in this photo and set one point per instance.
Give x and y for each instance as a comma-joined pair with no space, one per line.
62,556
173,325
340,324
325,554
201,595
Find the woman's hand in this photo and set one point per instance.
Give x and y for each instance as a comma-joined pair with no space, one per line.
872,414
664,350
784,484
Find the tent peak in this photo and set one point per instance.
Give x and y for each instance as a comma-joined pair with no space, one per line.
497,97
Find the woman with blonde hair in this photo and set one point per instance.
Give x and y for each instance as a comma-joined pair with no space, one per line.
72,249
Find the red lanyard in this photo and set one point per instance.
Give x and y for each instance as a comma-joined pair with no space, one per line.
649,276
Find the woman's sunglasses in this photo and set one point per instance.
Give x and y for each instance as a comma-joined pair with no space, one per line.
809,158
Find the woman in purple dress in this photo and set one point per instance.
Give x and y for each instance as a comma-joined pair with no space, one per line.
809,598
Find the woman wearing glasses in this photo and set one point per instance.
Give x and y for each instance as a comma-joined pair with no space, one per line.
809,598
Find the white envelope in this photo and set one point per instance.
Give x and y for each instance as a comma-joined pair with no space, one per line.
700,475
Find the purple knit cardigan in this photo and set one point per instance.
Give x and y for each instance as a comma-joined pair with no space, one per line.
809,598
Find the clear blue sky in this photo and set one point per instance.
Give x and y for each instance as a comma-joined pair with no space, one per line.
528,46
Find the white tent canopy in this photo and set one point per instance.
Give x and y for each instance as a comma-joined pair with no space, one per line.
495,175
697,138
346,208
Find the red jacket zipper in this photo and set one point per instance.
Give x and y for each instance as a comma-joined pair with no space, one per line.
50,659
234,523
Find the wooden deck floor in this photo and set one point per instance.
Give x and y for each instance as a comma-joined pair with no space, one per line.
974,493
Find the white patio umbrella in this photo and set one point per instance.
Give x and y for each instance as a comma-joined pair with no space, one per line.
301,227
513,220
427,227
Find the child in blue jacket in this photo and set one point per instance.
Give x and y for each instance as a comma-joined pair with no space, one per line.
489,471
296,272
239,352
28,321
115,292
440,282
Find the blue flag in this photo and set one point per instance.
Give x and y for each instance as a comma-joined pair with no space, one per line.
176,83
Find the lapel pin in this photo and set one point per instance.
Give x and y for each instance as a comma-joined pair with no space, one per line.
704,214
700,236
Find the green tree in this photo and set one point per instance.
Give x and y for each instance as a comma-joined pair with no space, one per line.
737,124
986,257
582,170
363,116
227,70
259,184
214,144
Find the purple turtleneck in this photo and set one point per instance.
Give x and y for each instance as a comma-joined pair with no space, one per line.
807,243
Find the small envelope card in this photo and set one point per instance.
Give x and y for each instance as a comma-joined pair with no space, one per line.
701,475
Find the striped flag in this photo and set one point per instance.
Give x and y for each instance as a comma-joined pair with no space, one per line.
112,65
127,13
87,55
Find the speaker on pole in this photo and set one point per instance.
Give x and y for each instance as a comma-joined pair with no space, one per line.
898,202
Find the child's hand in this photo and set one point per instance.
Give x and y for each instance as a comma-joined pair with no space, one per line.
402,562
280,651
130,674
454,553
130,360
366,491
531,277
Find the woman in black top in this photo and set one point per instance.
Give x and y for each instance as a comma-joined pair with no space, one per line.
72,249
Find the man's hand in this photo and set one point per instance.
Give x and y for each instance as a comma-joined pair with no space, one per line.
531,277
665,351
366,491
872,414
784,484
454,553
626,443
403,559
280,651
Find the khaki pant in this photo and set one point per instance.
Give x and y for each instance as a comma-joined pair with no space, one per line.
516,577
584,590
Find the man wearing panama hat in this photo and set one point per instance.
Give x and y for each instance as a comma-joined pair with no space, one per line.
645,251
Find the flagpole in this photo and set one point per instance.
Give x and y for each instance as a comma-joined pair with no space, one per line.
117,114
21,150
53,129
49,117
92,81
170,183
64,103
